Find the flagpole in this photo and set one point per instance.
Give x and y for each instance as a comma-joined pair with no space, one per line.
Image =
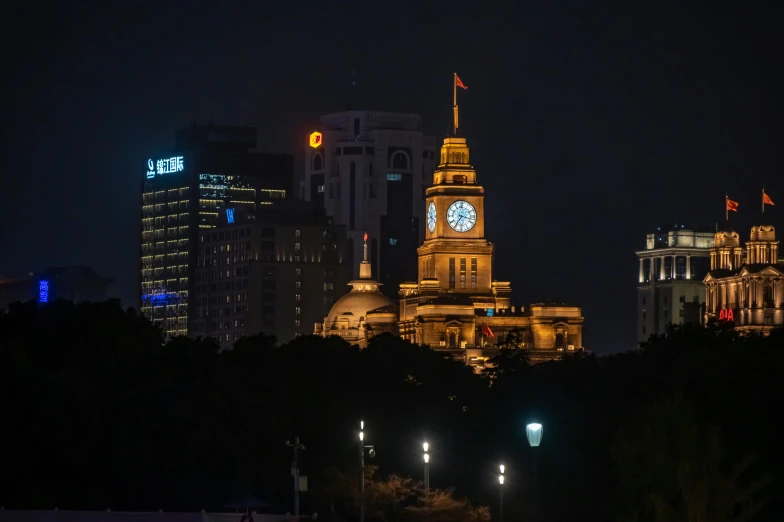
726,208
454,102
763,198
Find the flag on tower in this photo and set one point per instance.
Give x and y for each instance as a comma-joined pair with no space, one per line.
460,83
487,331
731,205
766,200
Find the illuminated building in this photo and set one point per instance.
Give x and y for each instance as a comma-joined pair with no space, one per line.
275,270
456,305
746,288
70,283
185,192
369,171
669,285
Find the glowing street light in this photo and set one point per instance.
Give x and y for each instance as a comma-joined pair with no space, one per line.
426,447
502,468
533,432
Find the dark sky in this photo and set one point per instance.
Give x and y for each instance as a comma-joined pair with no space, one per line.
589,122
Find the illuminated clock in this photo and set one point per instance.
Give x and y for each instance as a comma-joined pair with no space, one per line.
431,217
461,216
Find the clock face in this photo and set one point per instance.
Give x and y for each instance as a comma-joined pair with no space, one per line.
461,216
431,217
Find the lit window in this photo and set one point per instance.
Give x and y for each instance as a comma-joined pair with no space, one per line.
297,233
297,310
394,177
393,241
320,188
297,247
298,297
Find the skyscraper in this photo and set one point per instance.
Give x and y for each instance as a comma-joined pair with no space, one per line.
184,192
369,171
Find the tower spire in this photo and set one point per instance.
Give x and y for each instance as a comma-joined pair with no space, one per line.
364,266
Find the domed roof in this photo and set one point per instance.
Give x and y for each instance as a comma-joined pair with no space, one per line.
363,297
356,304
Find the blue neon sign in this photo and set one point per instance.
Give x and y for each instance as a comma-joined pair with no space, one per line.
165,166
230,215
43,291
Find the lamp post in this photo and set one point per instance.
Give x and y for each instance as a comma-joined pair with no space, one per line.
425,447
371,454
534,432
502,468
298,448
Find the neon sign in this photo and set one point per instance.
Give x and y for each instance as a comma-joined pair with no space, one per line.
230,215
43,291
315,140
165,166
727,316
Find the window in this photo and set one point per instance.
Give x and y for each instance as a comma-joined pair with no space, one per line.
399,160
644,316
643,301
297,247
392,241
328,287
451,272
297,310
298,284
644,329
680,267
473,272
320,189
297,298
462,272
298,271
356,126
392,176
297,233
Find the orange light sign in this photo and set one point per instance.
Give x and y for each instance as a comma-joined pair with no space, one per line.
315,140
727,315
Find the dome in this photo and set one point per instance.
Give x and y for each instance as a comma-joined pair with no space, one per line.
349,309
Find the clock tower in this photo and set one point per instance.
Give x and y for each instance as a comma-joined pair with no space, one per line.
455,251
455,305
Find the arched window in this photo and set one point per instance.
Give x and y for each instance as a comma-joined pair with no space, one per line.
356,126
318,162
399,160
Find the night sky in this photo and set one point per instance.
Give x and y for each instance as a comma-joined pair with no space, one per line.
589,122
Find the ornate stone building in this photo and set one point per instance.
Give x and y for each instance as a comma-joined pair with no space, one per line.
456,305
746,288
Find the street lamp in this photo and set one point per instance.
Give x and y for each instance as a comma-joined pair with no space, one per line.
502,468
534,432
371,454
425,447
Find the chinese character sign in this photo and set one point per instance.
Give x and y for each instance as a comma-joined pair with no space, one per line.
43,291
165,166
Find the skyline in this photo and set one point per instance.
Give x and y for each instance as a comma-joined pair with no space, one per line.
589,127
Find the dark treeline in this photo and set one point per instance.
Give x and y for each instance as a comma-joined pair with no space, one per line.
99,412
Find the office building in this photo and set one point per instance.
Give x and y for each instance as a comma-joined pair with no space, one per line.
369,171
455,304
70,283
184,192
746,288
276,270
669,286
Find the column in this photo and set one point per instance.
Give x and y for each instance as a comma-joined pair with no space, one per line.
642,276
673,268
688,267
661,267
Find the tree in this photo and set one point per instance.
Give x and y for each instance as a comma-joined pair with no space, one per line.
673,468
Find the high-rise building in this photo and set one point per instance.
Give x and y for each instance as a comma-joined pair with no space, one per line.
276,270
185,192
369,171
746,289
455,304
669,286
70,283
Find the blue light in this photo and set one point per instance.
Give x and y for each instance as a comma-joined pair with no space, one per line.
160,298
490,312
230,215
43,291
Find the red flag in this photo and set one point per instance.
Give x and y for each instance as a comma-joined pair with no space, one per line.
487,331
459,83
732,205
766,199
